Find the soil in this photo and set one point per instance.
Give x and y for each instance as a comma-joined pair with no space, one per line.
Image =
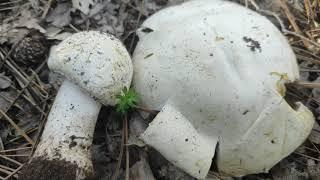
28,103
42,169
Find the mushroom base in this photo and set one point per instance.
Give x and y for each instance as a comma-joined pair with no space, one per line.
43,169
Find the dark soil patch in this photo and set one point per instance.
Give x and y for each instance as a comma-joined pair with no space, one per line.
43,169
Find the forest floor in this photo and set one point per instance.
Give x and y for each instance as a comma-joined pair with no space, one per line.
27,88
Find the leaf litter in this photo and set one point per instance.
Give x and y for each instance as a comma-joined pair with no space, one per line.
27,90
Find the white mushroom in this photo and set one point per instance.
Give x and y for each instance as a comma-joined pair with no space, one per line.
216,70
100,65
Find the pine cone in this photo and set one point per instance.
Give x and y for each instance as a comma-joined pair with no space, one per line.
33,48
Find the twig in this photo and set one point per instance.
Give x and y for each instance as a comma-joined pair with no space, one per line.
9,8
307,84
18,96
137,25
290,16
46,9
33,104
16,70
26,90
135,8
11,102
308,9
292,21
126,145
11,2
304,39
17,155
17,149
41,127
17,127
29,131
314,61
14,172
297,50
316,159
283,28
310,149
7,168
8,171
4,171
11,160
269,13
309,70
1,144
9,53
116,173
74,28
315,147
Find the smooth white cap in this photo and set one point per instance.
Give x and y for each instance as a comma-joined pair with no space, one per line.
221,67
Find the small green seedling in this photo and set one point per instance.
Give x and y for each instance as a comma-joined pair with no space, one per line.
126,100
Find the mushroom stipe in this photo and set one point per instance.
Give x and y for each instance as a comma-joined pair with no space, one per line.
97,67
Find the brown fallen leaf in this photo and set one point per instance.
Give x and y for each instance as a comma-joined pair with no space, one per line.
5,81
141,171
60,15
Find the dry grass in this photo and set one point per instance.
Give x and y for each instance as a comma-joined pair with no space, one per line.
29,89
27,92
301,28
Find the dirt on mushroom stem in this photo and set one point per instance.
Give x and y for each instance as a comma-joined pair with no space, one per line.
43,169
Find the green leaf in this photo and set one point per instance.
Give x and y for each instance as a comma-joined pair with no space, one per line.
126,100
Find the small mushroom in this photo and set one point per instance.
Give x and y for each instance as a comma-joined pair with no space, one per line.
217,71
97,67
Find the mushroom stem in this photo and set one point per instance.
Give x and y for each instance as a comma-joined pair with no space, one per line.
188,150
64,148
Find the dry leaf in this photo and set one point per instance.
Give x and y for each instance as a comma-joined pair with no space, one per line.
10,34
137,126
315,134
55,33
84,5
151,6
35,4
111,21
141,170
5,81
4,97
14,31
29,21
60,15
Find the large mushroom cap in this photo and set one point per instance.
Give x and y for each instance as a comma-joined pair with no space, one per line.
218,69
97,62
